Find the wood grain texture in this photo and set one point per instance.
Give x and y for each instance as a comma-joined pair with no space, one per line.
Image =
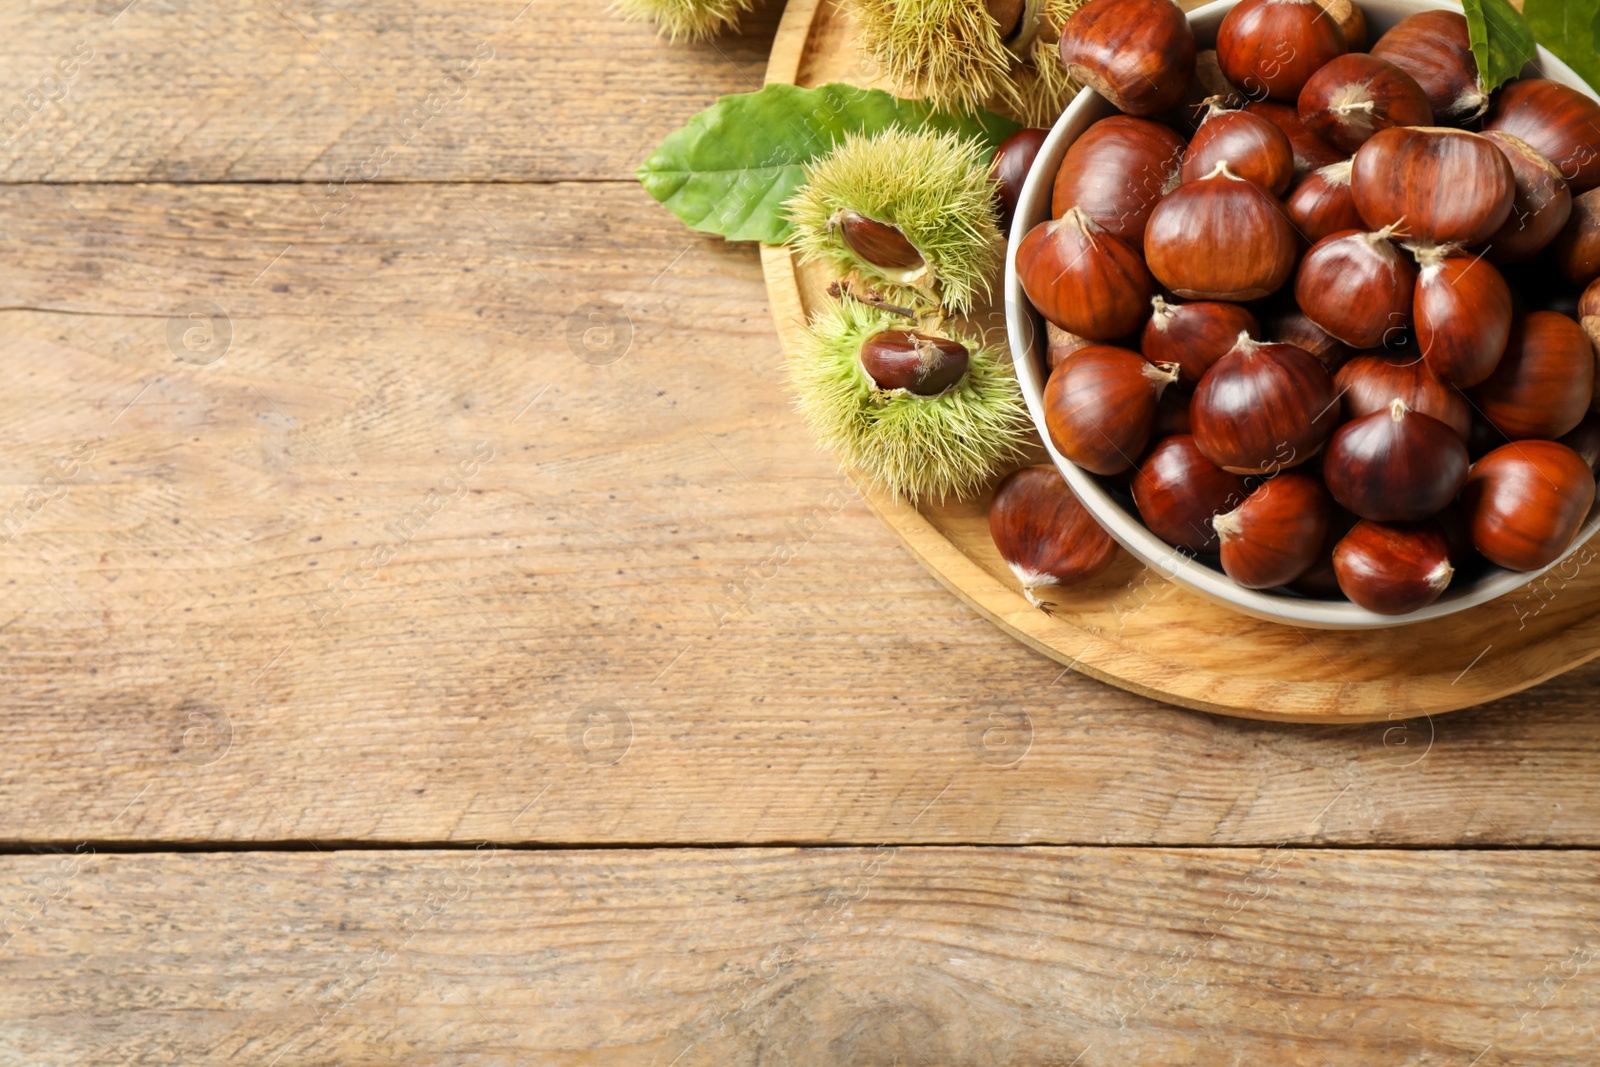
655,596
873,956
348,91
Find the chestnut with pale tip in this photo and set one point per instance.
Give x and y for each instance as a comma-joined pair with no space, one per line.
1178,491
1557,120
879,243
1271,48
1544,383
1356,95
1444,186
1276,535
1220,238
1395,465
1253,147
1263,408
1117,172
1372,380
1540,208
1012,162
1433,47
1138,54
919,363
1393,568
1525,503
1462,310
1357,286
1323,205
1100,407
1310,151
1046,536
1083,279
1194,336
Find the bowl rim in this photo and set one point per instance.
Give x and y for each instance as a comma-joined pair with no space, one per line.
1024,331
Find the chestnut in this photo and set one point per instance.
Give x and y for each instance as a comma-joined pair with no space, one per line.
879,243
1116,172
1526,501
1262,408
1351,19
1138,54
1393,569
1322,204
1446,186
1356,95
1194,336
1059,344
1557,120
1100,407
1462,311
1220,238
1253,148
1275,535
1395,465
1543,385
917,362
1083,279
1433,47
1356,286
1540,208
1577,247
1045,534
1012,161
1270,48
1370,381
1310,151
1589,313
1178,491
1291,327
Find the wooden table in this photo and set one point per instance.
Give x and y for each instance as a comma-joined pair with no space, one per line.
397,673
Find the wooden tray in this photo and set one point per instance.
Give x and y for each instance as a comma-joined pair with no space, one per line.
1136,630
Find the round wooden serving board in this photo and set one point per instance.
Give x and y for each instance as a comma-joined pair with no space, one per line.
1133,629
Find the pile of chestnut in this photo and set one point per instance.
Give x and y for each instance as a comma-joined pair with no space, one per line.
1325,313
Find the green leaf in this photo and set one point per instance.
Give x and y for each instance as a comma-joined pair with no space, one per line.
1501,41
732,167
1570,29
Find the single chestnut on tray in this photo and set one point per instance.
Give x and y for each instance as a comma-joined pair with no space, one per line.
1045,534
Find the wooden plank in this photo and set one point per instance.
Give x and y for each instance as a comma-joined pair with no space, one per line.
653,539
943,956
350,92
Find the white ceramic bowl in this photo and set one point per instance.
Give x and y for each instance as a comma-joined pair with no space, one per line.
1026,331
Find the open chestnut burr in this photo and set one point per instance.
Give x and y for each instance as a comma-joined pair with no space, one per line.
1263,408
1276,534
1525,501
1395,465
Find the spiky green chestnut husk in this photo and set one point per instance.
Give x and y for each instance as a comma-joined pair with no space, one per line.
933,187
922,448
1042,89
694,19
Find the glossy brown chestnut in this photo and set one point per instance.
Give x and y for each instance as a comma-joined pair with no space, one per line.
1393,569
1541,207
1012,161
1045,534
1275,535
1560,122
1310,151
1371,380
1462,312
1446,186
1220,238
1291,327
1589,313
1395,465
1322,204
1576,248
879,243
1356,286
1543,385
920,363
1526,501
1138,54
1356,95
1116,172
1253,148
1433,48
1352,22
1263,408
1083,279
1178,491
1270,48
1100,407
1194,336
